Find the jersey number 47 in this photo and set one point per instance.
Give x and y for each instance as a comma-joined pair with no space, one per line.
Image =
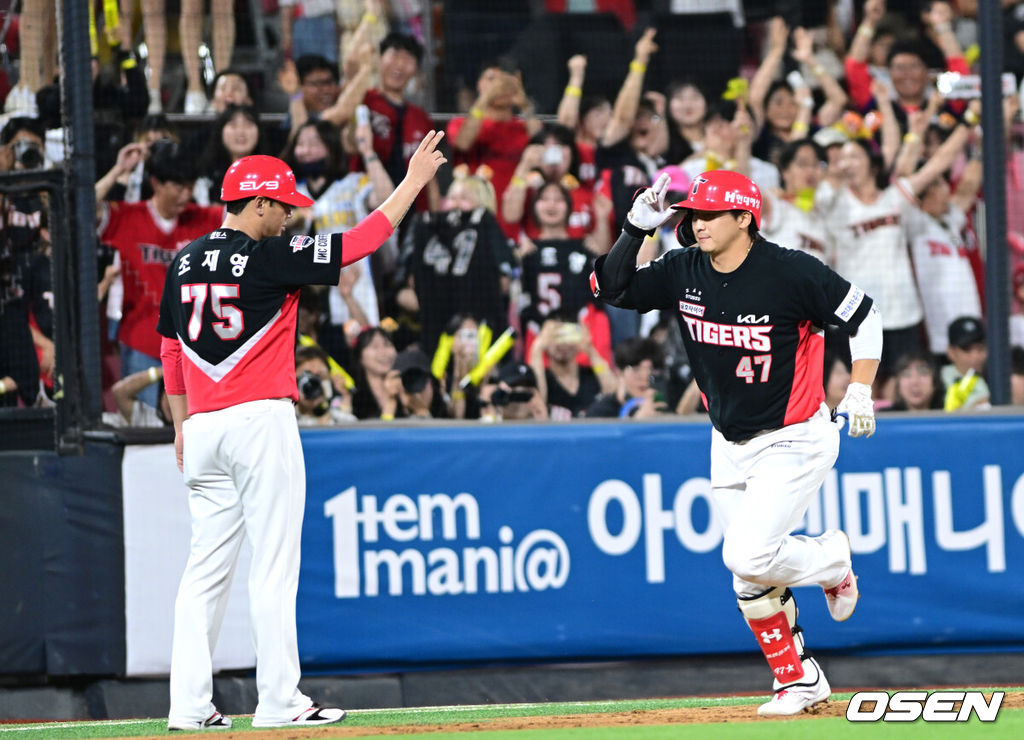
745,368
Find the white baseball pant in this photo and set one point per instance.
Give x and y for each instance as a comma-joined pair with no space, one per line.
246,477
761,489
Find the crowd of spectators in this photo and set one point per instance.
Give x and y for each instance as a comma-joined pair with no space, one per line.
867,152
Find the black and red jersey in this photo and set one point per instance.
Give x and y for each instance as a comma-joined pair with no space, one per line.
232,302
754,336
147,244
457,260
556,278
397,133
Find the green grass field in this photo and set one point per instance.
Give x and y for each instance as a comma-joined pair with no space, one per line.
1010,724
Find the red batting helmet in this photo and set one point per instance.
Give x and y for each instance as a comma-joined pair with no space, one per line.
723,190
262,175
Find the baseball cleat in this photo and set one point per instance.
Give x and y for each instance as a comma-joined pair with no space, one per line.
215,721
842,598
796,698
315,715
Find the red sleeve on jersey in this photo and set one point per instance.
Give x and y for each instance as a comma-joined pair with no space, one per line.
170,358
365,237
858,82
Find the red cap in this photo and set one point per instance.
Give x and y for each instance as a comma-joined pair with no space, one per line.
262,175
723,190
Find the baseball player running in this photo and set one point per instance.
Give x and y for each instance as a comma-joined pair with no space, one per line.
752,317
228,323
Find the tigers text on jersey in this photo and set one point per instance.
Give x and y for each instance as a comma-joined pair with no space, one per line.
233,302
755,335
867,244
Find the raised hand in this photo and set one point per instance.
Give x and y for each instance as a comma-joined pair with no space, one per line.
129,156
873,11
778,34
577,66
743,123
425,162
803,45
645,46
939,17
649,210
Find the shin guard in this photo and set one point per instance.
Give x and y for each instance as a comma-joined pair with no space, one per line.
772,619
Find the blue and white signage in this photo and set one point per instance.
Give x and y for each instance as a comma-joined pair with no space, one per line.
448,545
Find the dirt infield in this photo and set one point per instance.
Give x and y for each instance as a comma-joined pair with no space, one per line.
680,716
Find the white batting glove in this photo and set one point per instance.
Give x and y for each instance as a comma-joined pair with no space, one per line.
649,210
857,408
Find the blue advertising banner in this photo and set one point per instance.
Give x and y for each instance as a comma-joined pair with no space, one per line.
480,543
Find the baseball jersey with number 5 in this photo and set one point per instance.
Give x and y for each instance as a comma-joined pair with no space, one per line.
754,336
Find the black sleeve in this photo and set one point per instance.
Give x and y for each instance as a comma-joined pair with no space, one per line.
621,283
165,323
302,260
829,298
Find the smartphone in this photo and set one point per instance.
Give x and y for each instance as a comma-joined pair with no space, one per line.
955,86
362,115
468,336
569,334
552,155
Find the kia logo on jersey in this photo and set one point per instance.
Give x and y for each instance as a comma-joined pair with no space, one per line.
253,185
751,319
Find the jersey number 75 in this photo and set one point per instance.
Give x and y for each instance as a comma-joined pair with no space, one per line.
233,322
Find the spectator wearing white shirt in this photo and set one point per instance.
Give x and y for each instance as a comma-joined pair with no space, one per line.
791,216
944,273
341,200
865,220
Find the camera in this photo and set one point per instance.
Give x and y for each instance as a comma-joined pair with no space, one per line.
311,386
28,154
502,397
